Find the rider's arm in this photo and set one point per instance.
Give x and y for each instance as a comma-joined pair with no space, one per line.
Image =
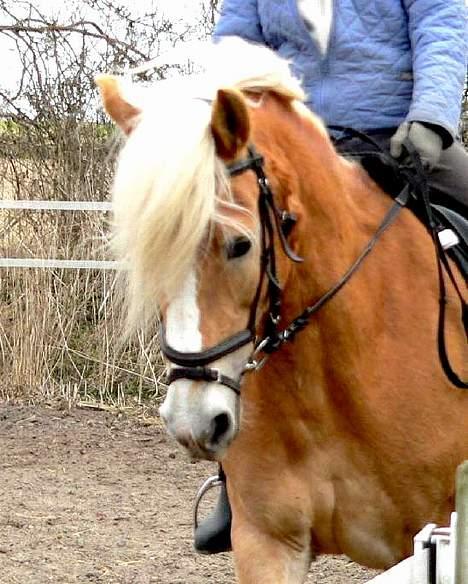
437,31
239,18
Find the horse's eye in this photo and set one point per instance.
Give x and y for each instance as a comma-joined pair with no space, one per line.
238,247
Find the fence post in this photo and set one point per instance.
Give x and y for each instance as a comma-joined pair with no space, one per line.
461,504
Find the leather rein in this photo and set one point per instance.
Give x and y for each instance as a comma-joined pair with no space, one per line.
275,223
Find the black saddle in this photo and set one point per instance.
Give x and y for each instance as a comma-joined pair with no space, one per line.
451,225
449,216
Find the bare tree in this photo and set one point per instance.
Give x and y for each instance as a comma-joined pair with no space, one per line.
209,15
58,59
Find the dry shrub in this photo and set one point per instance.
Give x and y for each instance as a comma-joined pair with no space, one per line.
60,329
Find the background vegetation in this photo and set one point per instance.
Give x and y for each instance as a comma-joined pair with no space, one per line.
464,120
60,329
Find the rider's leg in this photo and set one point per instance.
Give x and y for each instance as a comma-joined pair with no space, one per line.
449,178
213,535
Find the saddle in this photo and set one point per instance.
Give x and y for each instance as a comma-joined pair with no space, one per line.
448,216
451,226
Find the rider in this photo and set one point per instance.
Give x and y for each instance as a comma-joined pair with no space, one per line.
394,69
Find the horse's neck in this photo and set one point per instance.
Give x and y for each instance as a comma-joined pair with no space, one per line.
341,208
341,211
336,414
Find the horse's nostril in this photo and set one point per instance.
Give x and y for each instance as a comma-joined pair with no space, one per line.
221,425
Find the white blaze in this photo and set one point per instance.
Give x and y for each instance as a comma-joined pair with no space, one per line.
191,408
183,319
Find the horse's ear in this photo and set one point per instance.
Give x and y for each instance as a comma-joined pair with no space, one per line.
230,124
123,113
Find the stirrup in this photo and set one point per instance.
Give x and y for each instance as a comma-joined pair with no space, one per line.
211,483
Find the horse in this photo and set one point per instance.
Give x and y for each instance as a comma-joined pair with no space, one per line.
343,435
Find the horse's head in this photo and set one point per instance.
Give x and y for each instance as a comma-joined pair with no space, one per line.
198,240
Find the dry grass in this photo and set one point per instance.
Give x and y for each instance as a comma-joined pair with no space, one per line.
60,330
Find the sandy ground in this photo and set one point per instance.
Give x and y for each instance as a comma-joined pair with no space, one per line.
91,497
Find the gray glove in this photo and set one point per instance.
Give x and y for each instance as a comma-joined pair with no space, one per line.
427,143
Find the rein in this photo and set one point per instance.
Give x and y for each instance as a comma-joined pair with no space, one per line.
421,188
194,366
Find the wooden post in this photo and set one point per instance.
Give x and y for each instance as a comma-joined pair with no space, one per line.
461,505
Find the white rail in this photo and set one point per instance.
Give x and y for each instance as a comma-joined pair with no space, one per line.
433,561
399,574
52,263
56,205
59,264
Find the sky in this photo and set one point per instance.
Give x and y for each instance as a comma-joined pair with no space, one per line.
178,11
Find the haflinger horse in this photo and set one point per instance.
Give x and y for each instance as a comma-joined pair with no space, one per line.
347,439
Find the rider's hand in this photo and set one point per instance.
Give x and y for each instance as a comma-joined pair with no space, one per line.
427,143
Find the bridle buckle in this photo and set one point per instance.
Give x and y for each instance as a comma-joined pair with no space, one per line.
254,364
216,373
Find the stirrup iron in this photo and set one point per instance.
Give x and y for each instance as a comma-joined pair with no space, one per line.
211,483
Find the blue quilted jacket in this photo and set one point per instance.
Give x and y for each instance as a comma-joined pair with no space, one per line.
387,60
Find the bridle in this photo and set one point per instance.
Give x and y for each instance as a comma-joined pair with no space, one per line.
194,366
275,223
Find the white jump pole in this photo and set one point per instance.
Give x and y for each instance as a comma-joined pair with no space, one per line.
461,504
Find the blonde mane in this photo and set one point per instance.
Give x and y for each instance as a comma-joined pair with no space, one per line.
169,181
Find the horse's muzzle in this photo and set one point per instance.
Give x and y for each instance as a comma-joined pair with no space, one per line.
202,420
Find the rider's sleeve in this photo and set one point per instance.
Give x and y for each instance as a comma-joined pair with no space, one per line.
438,36
239,18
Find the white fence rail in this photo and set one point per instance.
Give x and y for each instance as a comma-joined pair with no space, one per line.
59,264
51,263
56,205
399,574
440,554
